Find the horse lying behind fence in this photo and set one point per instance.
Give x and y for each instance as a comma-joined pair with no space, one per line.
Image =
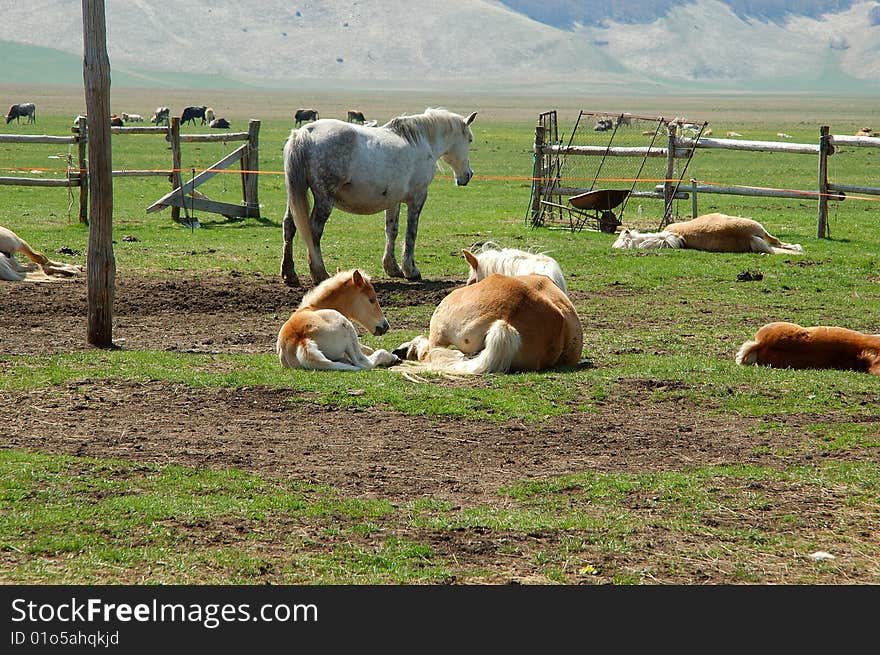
710,232
320,333
500,324
788,345
492,258
14,271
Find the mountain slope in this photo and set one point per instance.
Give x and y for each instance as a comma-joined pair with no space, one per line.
638,45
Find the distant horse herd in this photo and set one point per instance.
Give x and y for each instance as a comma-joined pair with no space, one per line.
512,313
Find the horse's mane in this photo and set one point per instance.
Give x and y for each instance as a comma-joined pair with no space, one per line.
415,127
511,261
328,286
648,240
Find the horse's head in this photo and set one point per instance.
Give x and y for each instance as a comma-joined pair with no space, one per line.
624,241
458,151
362,305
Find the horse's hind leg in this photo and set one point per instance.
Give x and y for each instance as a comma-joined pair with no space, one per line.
288,274
389,259
320,214
413,209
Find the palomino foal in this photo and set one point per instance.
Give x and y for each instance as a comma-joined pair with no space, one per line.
319,334
710,232
788,345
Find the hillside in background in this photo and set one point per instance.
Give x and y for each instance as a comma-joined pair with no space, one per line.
636,46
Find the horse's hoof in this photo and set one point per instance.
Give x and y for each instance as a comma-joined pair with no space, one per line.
414,278
291,280
394,272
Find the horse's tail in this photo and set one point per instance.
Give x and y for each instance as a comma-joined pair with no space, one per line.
9,270
296,152
306,355
501,346
747,353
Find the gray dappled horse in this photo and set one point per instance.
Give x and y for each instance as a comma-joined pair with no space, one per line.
366,170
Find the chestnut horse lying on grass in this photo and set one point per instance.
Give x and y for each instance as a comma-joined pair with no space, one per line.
788,345
319,334
11,269
710,232
499,324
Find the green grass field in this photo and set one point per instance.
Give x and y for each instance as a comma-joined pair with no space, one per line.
671,321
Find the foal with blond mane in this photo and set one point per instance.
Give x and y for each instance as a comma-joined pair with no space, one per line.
491,258
788,345
319,334
710,232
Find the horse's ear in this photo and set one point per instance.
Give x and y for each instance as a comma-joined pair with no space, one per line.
470,119
357,278
471,258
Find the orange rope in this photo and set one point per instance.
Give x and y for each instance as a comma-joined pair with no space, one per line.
492,178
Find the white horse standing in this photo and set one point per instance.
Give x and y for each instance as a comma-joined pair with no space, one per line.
365,170
491,258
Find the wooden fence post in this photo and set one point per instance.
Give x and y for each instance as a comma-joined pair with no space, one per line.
176,180
668,191
101,264
824,150
82,142
537,175
250,166
693,197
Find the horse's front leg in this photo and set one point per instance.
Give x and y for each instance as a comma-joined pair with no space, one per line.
413,209
288,274
389,260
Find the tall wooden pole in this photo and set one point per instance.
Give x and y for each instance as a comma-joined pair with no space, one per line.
825,149
101,262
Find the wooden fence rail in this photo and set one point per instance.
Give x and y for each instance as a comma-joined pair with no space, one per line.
78,176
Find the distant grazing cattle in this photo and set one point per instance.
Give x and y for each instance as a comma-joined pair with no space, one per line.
27,110
865,131
190,114
162,115
783,135
209,115
219,123
731,134
603,125
622,119
355,116
305,115
116,121
132,118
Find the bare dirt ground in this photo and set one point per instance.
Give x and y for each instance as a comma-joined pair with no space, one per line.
364,453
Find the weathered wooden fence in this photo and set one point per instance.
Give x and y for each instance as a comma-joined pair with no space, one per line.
78,176
548,188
